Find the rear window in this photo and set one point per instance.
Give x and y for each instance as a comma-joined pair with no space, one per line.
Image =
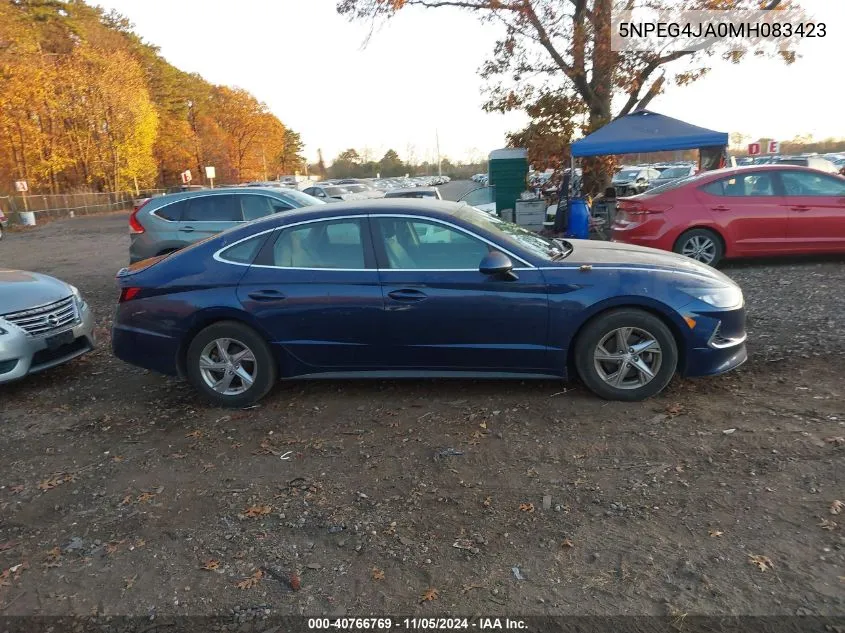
172,211
245,252
216,208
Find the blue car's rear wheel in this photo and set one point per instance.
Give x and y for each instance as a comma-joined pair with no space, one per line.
626,354
230,364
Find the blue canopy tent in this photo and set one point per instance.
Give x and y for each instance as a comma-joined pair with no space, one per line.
645,131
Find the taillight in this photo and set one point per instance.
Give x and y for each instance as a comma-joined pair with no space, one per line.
127,294
135,227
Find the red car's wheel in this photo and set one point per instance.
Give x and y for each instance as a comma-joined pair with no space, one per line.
702,245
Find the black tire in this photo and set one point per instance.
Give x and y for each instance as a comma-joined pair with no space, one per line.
688,239
604,325
263,369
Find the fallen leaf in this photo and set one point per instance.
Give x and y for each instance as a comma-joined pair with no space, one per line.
828,525
487,502
53,557
117,458
140,542
675,409
126,500
378,574
526,507
112,547
836,441
836,507
256,511
251,581
715,533
211,565
55,481
483,425
468,588
129,582
194,434
17,489
295,582
429,595
567,543
7,545
145,496
763,562
178,455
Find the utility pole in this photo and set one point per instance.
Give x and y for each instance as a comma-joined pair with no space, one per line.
437,142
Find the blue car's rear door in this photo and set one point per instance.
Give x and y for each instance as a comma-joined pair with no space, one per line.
315,289
442,314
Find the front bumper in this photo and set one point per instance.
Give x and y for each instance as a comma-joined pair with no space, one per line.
22,354
719,342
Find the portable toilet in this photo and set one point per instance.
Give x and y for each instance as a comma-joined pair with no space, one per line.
508,169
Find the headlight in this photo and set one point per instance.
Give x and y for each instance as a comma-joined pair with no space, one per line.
717,296
80,302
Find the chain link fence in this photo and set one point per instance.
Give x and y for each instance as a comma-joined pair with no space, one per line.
71,204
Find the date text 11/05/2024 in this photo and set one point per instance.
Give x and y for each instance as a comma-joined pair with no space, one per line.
440,624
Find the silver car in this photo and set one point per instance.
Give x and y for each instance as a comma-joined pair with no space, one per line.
167,223
45,322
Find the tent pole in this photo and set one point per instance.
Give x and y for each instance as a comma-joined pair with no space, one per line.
571,174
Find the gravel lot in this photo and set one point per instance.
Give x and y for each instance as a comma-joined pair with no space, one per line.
121,493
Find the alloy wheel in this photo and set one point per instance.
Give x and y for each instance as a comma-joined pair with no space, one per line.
700,248
228,366
627,358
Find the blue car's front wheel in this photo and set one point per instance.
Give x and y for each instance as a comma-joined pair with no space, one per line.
626,354
230,364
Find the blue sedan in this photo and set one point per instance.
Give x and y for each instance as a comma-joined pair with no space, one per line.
413,288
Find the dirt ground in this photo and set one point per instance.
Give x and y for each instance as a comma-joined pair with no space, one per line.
121,493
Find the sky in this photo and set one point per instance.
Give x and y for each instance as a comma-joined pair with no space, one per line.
416,79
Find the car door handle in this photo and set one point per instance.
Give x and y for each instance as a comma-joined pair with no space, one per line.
266,295
187,229
800,207
407,295
720,208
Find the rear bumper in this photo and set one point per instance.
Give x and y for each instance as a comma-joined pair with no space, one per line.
22,354
146,349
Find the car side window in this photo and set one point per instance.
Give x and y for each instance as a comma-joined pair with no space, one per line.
411,244
336,244
255,206
742,185
245,252
277,205
216,208
802,183
173,211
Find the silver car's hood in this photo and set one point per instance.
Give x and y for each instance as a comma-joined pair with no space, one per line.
21,290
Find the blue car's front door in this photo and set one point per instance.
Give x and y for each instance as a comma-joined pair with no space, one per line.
315,289
442,314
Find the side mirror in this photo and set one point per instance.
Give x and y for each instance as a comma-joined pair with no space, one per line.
497,264
640,179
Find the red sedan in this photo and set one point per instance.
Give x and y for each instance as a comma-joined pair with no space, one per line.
739,212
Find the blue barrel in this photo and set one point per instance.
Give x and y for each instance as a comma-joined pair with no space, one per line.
578,225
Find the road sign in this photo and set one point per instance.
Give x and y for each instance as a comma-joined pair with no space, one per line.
773,148
209,173
21,186
754,149
186,176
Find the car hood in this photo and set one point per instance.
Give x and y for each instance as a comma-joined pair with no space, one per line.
21,290
617,254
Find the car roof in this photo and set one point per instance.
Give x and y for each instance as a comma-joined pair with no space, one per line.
414,190
199,193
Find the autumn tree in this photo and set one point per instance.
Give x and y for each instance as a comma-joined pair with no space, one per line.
561,49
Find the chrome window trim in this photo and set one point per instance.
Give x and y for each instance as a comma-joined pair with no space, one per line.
218,257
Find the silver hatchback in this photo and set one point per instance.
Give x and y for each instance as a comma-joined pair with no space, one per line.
167,223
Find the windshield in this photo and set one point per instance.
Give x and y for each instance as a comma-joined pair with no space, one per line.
672,184
356,188
335,191
515,234
301,197
675,172
626,174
